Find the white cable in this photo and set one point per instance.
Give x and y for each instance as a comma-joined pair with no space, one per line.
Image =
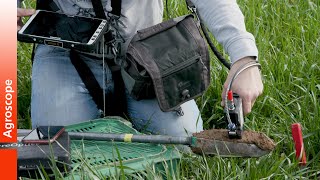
103,79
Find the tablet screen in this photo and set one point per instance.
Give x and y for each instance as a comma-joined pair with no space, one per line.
61,26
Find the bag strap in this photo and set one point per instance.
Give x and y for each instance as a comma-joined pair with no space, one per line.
193,9
98,8
88,79
116,7
96,92
114,104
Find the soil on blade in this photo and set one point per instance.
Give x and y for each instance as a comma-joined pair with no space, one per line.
249,137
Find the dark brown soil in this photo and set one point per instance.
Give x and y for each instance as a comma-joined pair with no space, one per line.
249,137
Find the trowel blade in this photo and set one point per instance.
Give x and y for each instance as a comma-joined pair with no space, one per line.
227,149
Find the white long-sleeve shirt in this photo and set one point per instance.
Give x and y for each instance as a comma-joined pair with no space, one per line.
223,18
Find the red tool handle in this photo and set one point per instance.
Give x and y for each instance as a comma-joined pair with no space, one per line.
298,142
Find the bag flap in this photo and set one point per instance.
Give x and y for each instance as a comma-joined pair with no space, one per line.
157,52
150,31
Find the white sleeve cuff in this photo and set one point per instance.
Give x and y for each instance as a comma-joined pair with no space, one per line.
241,47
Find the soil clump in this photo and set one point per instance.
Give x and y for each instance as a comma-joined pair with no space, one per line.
248,137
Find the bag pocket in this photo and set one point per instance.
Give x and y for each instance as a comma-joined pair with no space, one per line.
183,82
137,81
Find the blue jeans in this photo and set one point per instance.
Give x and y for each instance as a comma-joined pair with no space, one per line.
59,97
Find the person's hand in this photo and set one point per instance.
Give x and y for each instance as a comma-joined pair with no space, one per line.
22,13
248,84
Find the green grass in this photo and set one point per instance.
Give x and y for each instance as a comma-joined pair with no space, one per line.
288,37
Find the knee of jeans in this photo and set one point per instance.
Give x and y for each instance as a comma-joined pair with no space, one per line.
186,127
63,106
49,51
147,116
168,123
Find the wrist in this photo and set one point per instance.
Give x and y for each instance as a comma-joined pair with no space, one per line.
243,61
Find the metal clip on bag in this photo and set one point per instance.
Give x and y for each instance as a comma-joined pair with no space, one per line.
169,61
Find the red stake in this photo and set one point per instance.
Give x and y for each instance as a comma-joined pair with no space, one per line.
298,142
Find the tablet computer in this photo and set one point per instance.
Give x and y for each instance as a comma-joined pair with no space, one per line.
62,30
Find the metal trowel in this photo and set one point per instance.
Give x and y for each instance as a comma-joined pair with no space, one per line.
198,142
230,142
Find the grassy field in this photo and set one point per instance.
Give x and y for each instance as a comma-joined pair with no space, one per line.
288,37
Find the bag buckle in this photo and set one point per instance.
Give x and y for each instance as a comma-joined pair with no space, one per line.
179,111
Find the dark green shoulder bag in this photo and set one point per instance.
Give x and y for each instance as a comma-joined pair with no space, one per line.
169,61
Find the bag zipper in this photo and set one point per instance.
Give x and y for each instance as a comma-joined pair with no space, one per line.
180,66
